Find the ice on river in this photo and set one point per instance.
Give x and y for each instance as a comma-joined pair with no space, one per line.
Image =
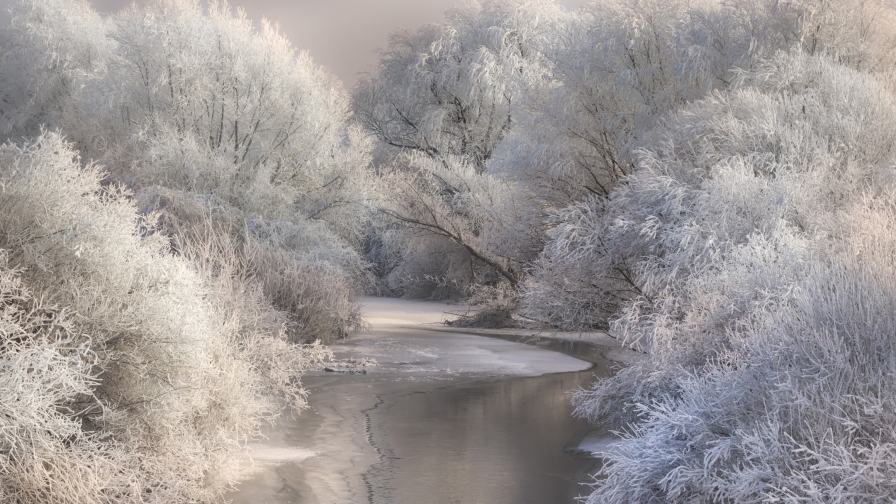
599,443
401,341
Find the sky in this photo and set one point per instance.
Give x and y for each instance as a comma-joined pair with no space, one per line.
342,35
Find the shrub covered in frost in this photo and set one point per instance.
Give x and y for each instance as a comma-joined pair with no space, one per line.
758,225
145,379
301,268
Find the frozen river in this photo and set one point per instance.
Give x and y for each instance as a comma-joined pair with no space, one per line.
444,418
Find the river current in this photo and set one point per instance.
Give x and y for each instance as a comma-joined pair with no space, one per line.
443,418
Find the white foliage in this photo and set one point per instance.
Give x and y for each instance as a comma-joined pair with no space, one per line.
213,106
189,96
52,50
306,271
624,68
757,225
442,100
176,391
301,269
448,200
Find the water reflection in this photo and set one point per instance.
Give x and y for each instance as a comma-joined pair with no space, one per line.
507,441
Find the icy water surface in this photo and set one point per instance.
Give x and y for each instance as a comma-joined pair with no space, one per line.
445,418
504,441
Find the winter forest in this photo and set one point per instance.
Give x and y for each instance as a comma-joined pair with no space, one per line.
190,208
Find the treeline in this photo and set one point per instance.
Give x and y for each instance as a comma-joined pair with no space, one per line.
188,202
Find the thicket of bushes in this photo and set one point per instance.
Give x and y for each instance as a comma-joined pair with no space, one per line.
761,239
128,375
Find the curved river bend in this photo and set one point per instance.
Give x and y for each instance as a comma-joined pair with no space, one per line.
444,418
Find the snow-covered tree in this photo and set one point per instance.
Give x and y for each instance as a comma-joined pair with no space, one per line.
448,89
622,69
758,224
442,100
185,101
487,216
49,53
215,107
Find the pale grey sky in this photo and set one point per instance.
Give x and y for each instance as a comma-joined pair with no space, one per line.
341,35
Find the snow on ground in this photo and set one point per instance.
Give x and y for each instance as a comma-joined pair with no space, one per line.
613,349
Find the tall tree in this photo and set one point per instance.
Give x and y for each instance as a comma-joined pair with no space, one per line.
443,98
215,106
198,112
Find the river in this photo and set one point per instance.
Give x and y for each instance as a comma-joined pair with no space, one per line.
443,418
